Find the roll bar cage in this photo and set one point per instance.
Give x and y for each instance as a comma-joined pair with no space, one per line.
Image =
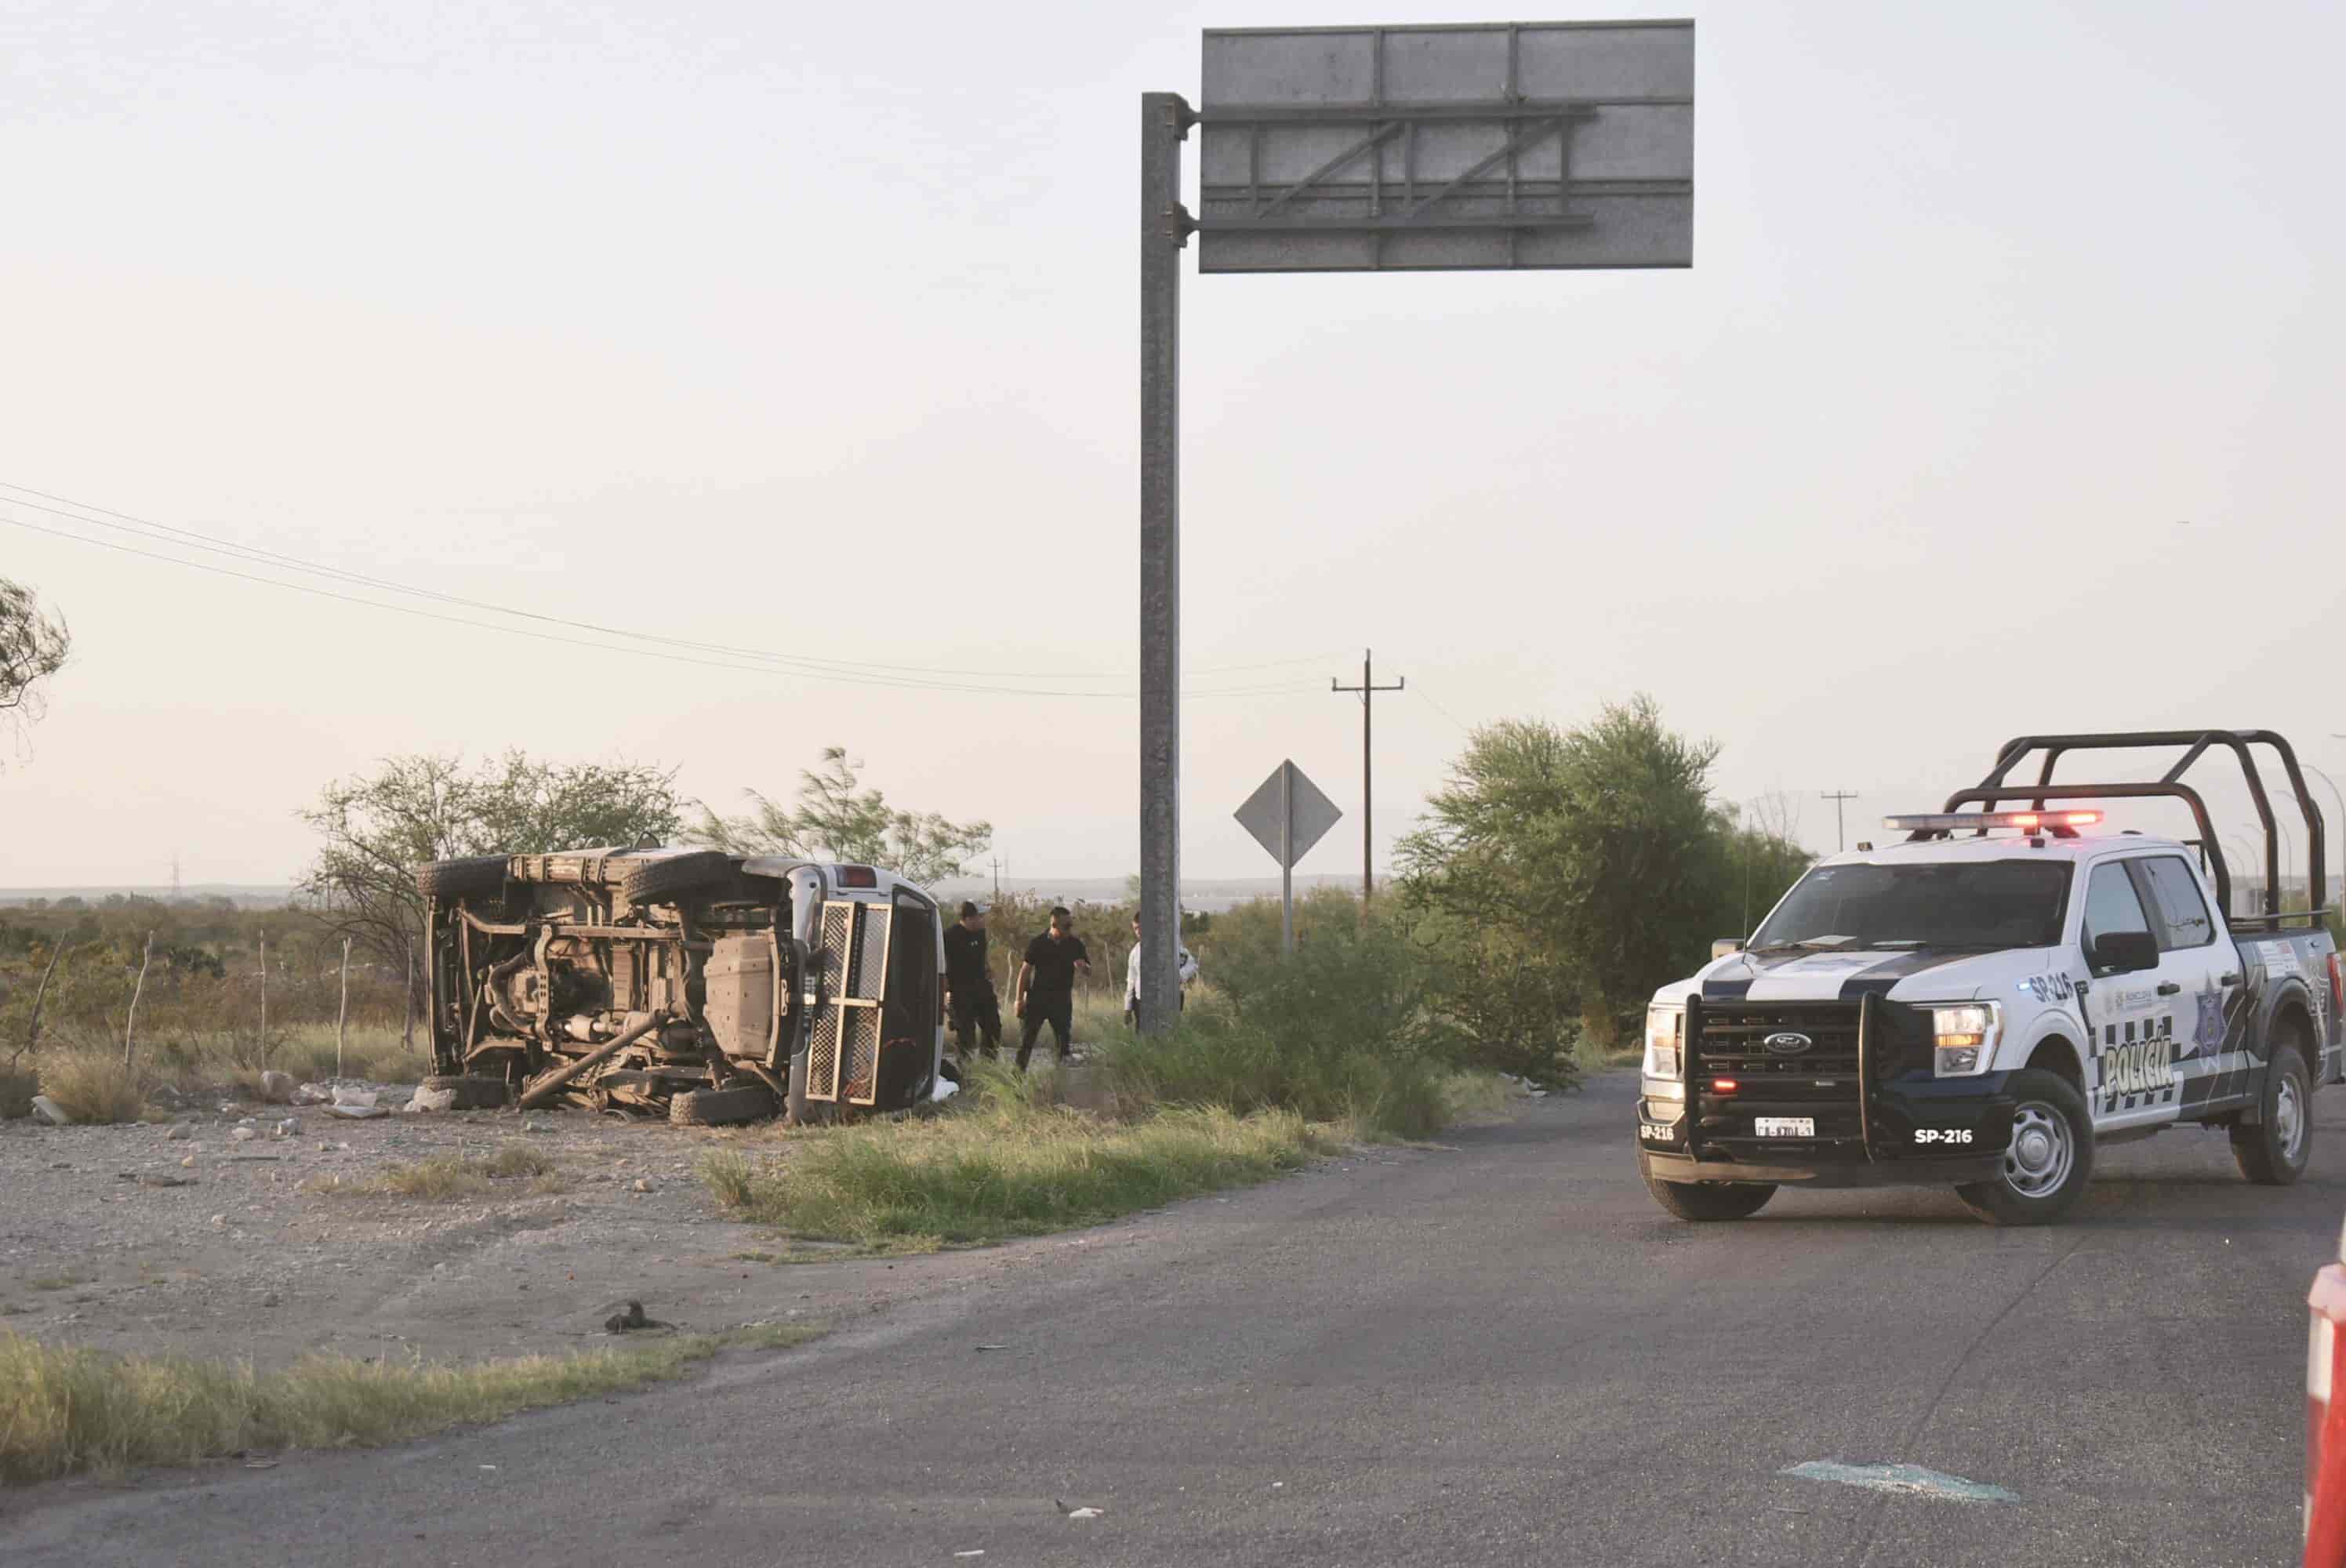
1993,791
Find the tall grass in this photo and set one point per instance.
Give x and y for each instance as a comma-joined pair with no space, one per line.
92,1085
64,1409
1011,1164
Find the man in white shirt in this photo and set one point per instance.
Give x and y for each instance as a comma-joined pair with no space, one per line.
1132,976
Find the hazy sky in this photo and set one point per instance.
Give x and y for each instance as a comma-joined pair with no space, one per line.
2004,395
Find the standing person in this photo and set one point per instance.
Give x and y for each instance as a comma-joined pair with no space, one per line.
1132,976
1047,984
969,989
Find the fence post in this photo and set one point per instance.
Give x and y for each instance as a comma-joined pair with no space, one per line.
407,1030
33,1029
131,1022
264,999
342,1013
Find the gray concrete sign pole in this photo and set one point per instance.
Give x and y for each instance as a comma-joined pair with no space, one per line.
1165,121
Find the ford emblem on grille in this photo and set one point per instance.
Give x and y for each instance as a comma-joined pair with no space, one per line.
1788,1044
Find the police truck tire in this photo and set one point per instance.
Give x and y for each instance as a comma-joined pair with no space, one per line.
657,881
468,877
2273,1152
2049,1160
1701,1200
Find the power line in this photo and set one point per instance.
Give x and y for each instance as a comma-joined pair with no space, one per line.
842,677
167,534
1463,727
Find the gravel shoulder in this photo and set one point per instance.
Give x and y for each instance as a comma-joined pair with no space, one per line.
250,1261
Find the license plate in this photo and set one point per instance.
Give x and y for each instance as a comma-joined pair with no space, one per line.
1784,1126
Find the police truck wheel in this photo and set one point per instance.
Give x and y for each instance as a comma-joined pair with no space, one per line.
2049,1160
2273,1152
1711,1199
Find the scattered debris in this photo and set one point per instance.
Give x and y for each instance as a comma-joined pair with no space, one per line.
973,1552
1908,1479
1084,1512
151,1180
945,1090
48,1113
994,1346
631,1319
287,1128
260,1464
433,1098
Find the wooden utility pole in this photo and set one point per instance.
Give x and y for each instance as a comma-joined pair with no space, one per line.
1841,833
1367,688
342,1013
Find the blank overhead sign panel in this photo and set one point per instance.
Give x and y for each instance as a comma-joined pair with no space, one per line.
1523,144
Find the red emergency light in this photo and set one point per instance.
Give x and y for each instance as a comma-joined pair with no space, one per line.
2025,821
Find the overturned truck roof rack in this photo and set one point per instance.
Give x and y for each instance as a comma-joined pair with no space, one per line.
1994,789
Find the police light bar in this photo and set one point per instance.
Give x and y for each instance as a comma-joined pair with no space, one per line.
2026,822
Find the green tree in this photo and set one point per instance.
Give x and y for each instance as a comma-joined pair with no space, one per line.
1568,869
378,826
33,647
836,819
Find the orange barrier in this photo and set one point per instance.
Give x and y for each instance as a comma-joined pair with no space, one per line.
2325,1422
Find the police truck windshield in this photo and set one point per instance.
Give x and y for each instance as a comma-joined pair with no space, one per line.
1986,904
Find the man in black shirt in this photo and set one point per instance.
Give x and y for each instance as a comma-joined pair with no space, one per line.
969,989
1047,984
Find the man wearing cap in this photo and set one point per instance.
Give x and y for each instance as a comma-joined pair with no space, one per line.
969,989
1047,984
1188,971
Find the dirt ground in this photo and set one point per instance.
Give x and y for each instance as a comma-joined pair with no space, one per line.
250,1261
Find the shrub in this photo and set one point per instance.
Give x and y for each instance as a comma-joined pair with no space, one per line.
92,1085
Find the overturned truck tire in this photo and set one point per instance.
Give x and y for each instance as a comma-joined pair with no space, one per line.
459,1092
722,1107
657,881
468,877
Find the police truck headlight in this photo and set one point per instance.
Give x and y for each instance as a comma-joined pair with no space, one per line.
1963,1039
1664,1027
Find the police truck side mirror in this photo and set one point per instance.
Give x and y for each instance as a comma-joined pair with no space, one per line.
1726,945
2125,952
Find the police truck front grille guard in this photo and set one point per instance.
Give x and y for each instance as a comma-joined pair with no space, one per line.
1860,1028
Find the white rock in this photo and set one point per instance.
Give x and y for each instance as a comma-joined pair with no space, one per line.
48,1113
433,1100
241,1134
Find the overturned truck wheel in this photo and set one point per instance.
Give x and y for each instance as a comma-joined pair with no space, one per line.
657,881
469,877
460,1092
721,1107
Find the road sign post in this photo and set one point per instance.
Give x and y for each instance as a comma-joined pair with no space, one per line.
1514,145
1287,814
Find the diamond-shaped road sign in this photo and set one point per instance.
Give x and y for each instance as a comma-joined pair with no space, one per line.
1288,815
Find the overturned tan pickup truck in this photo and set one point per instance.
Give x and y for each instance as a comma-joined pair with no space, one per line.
708,987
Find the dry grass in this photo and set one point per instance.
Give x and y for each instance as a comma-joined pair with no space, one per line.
1010,1164
65,1410
444,1178
92,1085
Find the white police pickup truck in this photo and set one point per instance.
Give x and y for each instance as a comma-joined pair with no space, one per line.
1984,1004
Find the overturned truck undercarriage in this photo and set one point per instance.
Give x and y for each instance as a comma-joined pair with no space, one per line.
705,987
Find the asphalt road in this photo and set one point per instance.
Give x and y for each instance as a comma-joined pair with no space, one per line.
1499,1352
